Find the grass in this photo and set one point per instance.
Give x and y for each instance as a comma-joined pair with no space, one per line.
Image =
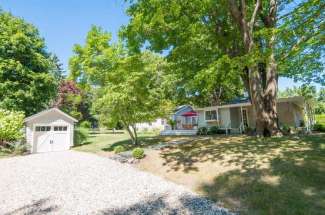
320,119
283,175
105,142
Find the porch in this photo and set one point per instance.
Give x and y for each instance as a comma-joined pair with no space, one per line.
189,132
233,118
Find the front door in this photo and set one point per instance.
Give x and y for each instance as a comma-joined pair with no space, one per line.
245,117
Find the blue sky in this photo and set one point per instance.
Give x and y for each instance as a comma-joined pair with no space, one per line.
64,23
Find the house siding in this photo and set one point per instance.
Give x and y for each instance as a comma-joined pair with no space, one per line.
235,117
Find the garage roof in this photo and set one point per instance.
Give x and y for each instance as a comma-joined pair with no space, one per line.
47,111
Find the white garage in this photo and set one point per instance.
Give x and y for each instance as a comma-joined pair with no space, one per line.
50,130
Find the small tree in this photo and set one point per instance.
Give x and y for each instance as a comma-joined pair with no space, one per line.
11,124
135,93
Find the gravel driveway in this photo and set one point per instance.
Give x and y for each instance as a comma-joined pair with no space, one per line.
81,183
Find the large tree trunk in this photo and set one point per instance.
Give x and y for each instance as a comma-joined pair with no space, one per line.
262,78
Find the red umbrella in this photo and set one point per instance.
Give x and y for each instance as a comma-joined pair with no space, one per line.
190,113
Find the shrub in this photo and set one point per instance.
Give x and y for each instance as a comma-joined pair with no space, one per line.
172,123
11,126
202,131
80,136
319,127
302,123
85,124
286,129
138,153
118,149
214,130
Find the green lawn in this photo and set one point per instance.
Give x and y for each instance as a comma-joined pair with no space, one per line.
106,141
320,119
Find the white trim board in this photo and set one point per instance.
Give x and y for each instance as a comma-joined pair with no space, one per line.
47,111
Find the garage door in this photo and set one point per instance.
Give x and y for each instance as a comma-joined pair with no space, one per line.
51,138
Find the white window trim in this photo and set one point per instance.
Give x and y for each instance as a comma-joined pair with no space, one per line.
211,120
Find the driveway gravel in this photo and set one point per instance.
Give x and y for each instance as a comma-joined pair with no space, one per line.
82,183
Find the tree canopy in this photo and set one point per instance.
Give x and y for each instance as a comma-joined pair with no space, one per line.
128,88
27,80
254,41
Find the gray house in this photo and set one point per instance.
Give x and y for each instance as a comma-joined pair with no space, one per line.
239,114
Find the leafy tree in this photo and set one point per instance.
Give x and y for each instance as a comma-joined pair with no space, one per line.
129,88
93,62
11,125
321,95
307,91
57,69
135,93
69,98
74,101
262,39
27,82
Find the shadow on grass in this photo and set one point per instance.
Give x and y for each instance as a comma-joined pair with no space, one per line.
128,145
160,205
272,176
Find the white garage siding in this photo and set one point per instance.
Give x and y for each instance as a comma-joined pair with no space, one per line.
52,117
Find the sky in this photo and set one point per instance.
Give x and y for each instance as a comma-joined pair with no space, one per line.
63,23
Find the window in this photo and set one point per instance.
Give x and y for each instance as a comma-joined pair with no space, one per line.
60,128
211,115
42,128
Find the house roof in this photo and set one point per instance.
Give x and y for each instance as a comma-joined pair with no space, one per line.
47,111
246,102
238,101
180,108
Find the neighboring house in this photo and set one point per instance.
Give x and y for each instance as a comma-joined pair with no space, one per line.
49,130
240,114
159,125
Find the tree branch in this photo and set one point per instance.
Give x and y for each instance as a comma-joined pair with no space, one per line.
256,10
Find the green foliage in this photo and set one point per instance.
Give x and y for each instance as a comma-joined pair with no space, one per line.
11,125
138,153
202,131
93,62
119,149
85,124
319,127
81,136
14,148
320,118
207,49
129,88
307,91
172,123
213,130
286,129
27,70
320,108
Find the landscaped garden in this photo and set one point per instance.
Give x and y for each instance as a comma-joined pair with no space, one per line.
284,175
